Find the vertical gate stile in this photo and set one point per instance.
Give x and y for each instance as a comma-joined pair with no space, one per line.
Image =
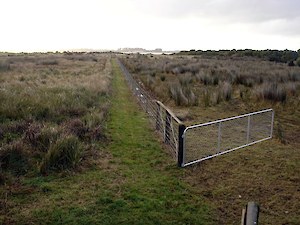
248,129
272,124
219,137
180,155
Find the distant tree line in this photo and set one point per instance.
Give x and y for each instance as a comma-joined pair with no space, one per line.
283,56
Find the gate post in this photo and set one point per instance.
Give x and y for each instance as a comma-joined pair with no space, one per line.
180,154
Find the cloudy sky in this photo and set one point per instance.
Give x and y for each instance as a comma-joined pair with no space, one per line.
50,25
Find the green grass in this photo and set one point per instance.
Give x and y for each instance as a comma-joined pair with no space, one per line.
134,182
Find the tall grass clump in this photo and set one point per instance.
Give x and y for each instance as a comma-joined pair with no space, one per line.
65,153
207,79
182,95
177,94
226,91
206,98
40,138
185,79
273,92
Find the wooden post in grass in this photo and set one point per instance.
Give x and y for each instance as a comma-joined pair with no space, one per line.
157,116
168,128
180,160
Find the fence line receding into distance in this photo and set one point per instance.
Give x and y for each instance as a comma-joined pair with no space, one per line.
199,142
161,117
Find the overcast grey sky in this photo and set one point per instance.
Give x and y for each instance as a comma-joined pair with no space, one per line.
35,25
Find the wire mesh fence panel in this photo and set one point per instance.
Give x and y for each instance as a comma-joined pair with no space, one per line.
233,133
260,126
204,141
201,142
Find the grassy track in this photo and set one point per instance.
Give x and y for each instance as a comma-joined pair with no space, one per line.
135,182
151,191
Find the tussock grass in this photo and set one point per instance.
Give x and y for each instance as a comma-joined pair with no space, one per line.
182,95
63,154
49,98
273,92
251,74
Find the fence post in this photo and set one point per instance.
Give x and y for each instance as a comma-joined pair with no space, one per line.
180,153
167,127
157,116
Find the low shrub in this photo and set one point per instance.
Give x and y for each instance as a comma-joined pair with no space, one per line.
65,153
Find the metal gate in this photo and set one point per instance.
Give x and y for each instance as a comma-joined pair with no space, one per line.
207,140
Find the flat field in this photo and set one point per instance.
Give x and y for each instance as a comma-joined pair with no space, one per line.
199,90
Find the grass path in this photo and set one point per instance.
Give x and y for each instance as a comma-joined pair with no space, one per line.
136,182
152,191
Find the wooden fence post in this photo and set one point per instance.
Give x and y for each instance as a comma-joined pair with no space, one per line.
168,127
157,116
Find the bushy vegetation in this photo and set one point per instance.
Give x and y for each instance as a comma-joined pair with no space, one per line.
53,108
285,56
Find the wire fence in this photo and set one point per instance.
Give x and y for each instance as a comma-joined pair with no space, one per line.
162,118
196,143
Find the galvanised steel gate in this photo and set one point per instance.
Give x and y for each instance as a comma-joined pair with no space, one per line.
207,140
196,143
